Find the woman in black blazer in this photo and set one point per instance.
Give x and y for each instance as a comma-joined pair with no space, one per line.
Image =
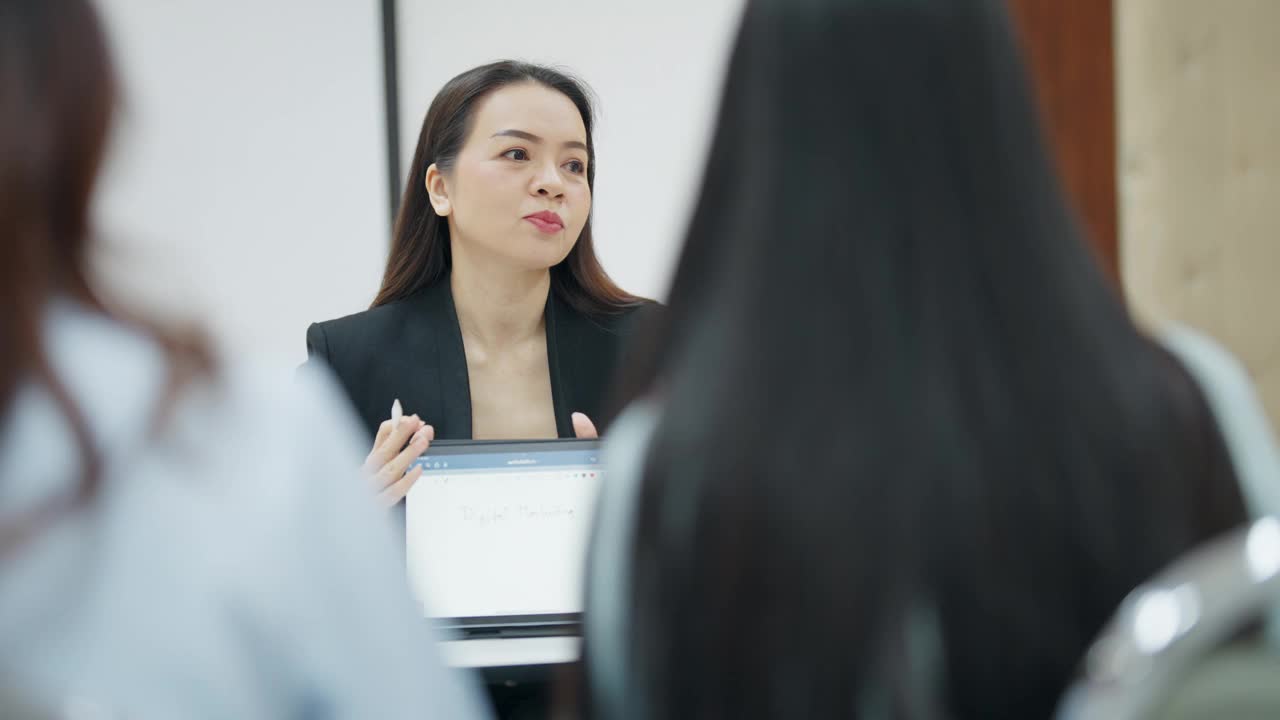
495,318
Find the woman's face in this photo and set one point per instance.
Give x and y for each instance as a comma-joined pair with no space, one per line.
518,189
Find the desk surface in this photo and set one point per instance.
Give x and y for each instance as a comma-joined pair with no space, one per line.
511,652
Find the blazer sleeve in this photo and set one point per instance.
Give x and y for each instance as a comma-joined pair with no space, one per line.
318,343
329,346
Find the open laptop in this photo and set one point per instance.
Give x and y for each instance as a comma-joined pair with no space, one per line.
497,532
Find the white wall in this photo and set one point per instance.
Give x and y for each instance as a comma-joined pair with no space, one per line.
247,185
656,68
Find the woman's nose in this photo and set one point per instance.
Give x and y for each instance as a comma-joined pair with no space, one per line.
548,182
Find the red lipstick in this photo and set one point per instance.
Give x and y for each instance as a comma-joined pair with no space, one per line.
546,221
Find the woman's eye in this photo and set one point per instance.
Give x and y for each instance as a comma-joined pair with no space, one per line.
575,166
516,154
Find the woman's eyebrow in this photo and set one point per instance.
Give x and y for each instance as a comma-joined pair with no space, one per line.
535,139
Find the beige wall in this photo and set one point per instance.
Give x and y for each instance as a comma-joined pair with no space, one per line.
1198,106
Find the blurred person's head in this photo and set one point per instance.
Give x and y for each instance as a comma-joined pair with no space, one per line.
58,94
913,450
503,173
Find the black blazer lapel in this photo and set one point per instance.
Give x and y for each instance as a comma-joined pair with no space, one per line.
434,339
582,353
563,344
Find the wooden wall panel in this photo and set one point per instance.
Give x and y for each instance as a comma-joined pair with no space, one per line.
1069,47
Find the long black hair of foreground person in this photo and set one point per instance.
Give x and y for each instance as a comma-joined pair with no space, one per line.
914,450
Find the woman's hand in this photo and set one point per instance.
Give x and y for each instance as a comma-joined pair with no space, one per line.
390,457
584,428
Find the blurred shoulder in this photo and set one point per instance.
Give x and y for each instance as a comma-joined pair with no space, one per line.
1212,364
290,416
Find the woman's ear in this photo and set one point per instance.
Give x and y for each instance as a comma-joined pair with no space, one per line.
437,192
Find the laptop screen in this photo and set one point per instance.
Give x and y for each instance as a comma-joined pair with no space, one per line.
497,532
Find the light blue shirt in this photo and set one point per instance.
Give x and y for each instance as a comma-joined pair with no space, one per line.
233,567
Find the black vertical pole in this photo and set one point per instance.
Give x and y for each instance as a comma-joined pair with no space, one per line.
391,102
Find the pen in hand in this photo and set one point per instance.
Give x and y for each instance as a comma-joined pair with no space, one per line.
390,464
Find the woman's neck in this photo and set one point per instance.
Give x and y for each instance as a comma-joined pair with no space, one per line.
498,306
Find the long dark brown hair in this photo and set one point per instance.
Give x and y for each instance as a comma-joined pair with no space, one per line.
58,94
420,254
